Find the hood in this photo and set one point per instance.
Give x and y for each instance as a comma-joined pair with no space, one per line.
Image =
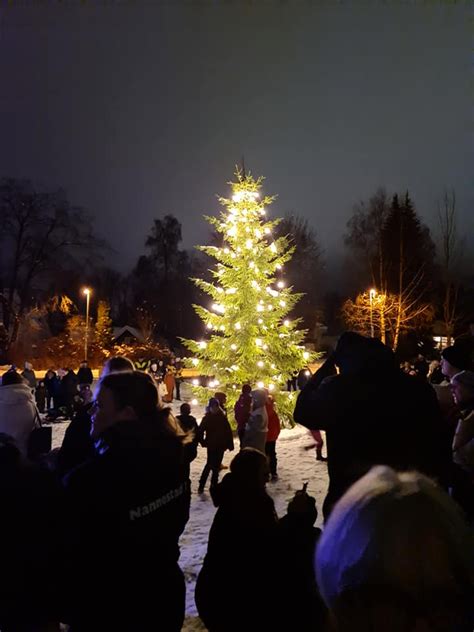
16,394
355,354
259,397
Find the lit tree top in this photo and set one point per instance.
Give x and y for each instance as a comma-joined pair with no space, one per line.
249,337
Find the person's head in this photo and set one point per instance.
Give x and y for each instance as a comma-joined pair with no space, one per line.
259,398
396,554
117,364
455,359
185,409
154,366
84,364
213,405
123,396
50,373
28,366
462,387
354,353
250,468
12,377
246,389
221,398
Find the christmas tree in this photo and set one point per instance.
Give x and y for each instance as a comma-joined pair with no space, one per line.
249,337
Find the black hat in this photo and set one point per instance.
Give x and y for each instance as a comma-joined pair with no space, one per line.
457,356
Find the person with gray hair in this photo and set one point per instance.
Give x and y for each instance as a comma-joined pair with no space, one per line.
396,555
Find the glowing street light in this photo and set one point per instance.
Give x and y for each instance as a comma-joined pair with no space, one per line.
87,293
372,294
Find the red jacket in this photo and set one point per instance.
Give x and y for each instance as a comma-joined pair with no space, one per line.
273,422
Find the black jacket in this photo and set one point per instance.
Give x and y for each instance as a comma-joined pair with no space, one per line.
84,375
77,446
374,414
127,508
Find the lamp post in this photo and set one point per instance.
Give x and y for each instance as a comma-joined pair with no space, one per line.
87,292
372,294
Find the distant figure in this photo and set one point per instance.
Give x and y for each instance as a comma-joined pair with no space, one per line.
84,375
222,399
435,374
215,434
189,424
462,386
29,375
257,426
169,383
396,555
178,378
51,382
40,396
272,436
242,410
154,372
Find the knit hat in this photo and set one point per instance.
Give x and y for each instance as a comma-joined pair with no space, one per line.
212,402
457,356
466,378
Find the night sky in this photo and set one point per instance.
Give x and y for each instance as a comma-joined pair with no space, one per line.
139,109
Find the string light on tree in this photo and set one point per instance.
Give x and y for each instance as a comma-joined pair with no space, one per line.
239,323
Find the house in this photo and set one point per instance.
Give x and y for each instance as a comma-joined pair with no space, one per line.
127,335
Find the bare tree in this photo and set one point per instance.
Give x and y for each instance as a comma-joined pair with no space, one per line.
449,259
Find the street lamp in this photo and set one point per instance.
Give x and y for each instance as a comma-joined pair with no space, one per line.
372,294
87,292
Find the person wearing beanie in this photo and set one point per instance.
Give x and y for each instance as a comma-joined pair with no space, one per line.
257,426
455,359
215,434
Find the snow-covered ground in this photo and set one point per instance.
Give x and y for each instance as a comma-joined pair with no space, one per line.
295,466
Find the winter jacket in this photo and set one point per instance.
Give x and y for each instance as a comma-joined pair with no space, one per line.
29,530
235,586
77,446
127,508
17,413
256,430
273,422
189,424
215,432
242,410
463,443
84,375
30,377
52,386
373,414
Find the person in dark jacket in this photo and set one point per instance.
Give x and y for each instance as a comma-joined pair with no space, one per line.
30,524
51,382
84,375
78,445
40,396
303,608
189,425
29,375
127,508
242,410
373,413
68,391
215,434
235,590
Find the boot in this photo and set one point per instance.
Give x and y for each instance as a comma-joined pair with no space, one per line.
319,455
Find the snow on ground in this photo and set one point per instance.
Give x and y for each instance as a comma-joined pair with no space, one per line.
295,467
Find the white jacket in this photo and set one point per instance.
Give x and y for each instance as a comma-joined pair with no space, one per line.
17,413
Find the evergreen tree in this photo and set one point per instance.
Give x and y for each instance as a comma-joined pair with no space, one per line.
103,328
250,338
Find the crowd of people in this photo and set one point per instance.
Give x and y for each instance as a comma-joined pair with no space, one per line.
396,552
